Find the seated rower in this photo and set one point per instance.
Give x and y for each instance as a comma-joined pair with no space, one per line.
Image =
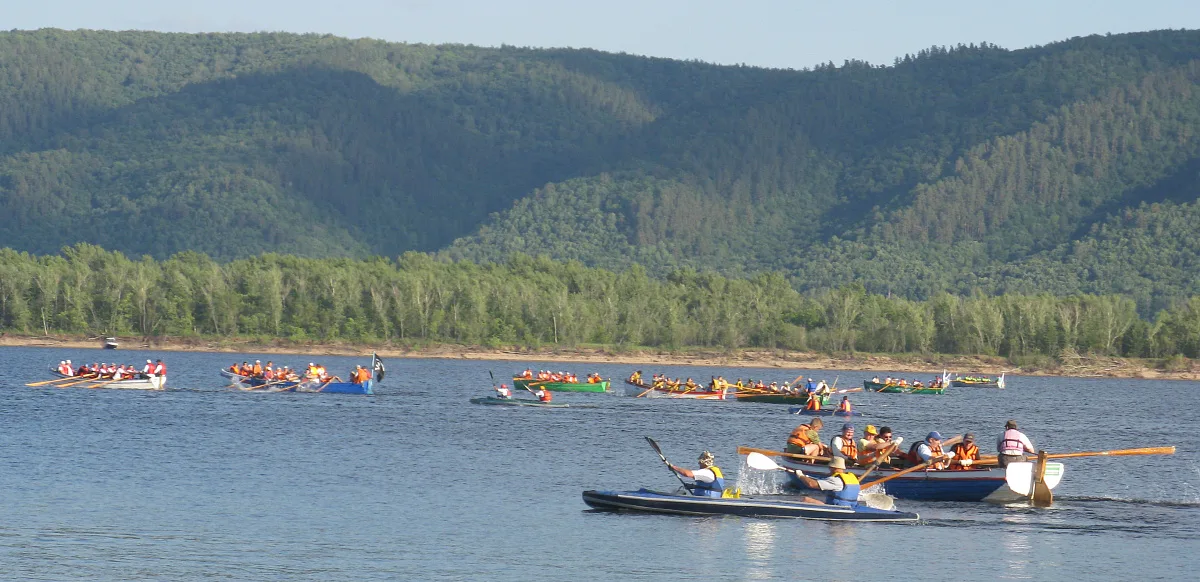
63,368
806,439
842,446
504,392
636,378
965,453
878,446
709,482
844,405
814,401
930,451
842,485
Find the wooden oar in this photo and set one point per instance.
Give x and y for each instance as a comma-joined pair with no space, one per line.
991,459
667,463
748,450
880,455
102,384
952,440
53,380
1042,496
88,378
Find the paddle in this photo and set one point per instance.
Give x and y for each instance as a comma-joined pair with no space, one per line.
763,463
88,378
493,379
1042,497
952,441
667,463
748,450
988,460
878,457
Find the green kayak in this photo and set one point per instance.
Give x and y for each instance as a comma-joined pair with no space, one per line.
517,402
524,383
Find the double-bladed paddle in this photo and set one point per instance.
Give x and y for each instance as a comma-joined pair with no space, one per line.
658,450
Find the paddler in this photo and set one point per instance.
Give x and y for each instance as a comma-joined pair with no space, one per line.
1013,445
504,392
543,395
844,405
709,482
806,439
965,453
842,485
842,446
814,401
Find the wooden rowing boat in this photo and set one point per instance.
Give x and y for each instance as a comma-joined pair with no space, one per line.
526,383
151,383
870,386
644,391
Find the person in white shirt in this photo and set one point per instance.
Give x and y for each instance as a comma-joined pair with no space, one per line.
503,391
709,481
1013,445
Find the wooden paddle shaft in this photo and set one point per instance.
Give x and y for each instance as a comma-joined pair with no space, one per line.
991,459
748,450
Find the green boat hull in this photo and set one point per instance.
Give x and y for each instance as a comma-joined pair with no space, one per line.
894,389
522,384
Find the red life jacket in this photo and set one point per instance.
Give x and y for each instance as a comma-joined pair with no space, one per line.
160,369
545,396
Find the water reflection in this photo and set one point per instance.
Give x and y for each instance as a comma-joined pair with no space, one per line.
760,547
1017,545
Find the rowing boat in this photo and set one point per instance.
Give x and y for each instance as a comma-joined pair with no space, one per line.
644,391
772,398
870,386
151,383
526,383
822,412
653,501
492,400
977,382
336,387
252,383
985,484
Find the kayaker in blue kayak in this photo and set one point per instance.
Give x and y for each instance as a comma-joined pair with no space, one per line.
842,486
709,480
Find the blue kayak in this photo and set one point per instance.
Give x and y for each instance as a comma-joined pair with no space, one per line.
822,412
653,501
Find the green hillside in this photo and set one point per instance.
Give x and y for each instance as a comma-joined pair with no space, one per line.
1065,168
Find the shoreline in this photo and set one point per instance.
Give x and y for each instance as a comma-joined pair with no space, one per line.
1076,366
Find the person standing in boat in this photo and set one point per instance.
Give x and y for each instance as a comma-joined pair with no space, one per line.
965,453
842,486
160,369
842,446
709,481
1013,445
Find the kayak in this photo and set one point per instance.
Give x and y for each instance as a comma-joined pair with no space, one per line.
822,412
517,402
653,501
525,383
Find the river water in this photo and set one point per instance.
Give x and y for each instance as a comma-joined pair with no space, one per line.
201,482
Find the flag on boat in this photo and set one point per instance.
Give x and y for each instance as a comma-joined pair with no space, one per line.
377,366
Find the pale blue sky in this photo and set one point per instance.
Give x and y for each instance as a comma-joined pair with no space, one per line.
773,33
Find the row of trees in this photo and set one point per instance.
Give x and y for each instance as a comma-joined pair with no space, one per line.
537,302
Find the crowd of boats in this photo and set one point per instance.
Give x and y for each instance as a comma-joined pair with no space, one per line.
933,468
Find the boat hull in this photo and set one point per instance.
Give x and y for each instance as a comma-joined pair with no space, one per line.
870,386
337,387
641,390
151,383
986,383
523,383
972,485
258,384
824,412
494,401
652,501
777,398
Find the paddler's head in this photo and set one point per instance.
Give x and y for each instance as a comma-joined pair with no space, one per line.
1011,424
838,464
706,460
816,423
847,430
934,436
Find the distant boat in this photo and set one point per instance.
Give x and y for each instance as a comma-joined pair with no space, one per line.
110,343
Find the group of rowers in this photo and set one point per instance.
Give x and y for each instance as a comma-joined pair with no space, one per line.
559,377
720,384
314,372
901,382
106,371
844,452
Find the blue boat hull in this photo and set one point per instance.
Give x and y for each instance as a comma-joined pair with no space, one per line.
652,501
338,387
973,485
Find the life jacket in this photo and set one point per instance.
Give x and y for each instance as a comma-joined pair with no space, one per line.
160,369
844,406
544,395
64,369
713,489
257,370
528,375
916,459
1010,443
814,402
848,496
965,451
849,447
799,436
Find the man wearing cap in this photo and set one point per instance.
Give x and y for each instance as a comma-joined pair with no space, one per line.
806,439
709,482
1012,445
842,446
842,485
504,392
965,453
930,451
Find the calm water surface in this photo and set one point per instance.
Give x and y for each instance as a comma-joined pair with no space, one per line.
202,482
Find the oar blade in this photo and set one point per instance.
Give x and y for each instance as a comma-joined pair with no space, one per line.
761,462
877,501
1054,474
1019,477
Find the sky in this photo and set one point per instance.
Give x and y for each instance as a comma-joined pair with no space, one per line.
767,33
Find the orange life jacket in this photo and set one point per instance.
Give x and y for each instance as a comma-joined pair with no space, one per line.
849,448
814,402
799,436
965,451
844,406
545,396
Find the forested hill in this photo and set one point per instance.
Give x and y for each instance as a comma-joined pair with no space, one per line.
1073,166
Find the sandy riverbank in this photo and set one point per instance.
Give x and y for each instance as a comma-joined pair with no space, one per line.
1105,367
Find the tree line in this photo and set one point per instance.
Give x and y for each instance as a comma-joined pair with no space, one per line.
537,302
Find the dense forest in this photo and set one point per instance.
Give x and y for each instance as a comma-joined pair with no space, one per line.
1071,169
539,302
